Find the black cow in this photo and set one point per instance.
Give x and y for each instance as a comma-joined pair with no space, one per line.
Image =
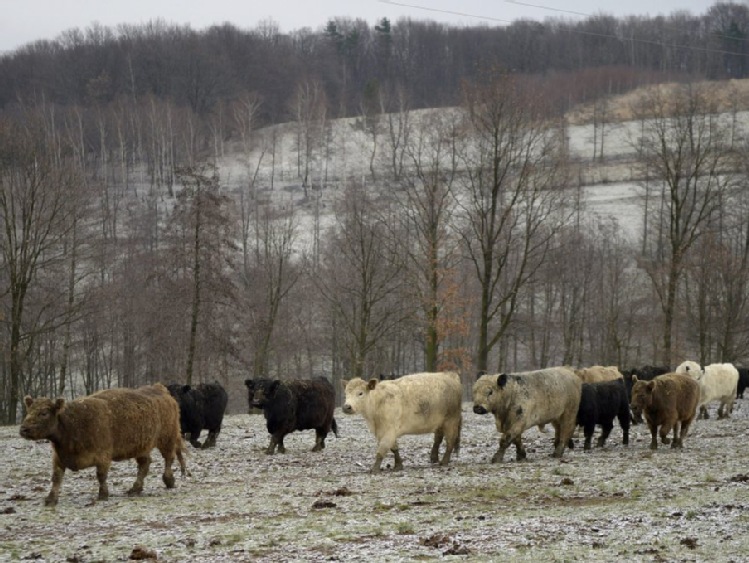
601,403
305,404
200,407
743,382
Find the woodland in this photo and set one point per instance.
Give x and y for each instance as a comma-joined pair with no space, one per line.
182,205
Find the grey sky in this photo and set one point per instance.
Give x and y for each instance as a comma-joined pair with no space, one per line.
23,21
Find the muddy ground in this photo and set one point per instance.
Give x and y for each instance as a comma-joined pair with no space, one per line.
611,504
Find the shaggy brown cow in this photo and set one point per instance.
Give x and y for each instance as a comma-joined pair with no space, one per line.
668,401
111,425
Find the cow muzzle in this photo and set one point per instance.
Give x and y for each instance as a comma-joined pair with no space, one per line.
348,409
478,409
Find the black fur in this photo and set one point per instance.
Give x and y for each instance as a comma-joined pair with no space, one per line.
601,403
743,382
306,404
200,408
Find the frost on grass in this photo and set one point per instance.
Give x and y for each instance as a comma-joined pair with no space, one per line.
239,504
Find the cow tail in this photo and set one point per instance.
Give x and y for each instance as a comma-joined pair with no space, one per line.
334,427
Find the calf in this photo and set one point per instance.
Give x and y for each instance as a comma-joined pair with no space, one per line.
527,399
668,401
111,425
303,404
200,407
600,403
644,373
718,382
420,403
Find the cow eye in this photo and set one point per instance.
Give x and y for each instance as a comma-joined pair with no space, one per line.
360,393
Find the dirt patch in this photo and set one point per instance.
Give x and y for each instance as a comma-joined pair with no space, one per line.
238,504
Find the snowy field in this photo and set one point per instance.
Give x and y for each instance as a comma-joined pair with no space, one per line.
612,504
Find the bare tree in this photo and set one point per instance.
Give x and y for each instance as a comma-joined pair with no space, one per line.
514,198
428,206
310,108
361,280
37,201
687,148
203,225
272,271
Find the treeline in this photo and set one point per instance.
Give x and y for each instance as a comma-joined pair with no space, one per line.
351,59
127,258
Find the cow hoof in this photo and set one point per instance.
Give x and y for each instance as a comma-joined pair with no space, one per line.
50,501
134,491
168,481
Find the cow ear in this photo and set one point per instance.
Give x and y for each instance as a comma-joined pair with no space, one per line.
273,387
28,400
185,388
59,404
480,373
502,380
634,379
372,384
344,382
249,383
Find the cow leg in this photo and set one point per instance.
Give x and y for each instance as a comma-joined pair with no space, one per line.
168,476
194,435
588,430
504,442
319,439
606,429
276,441
102,470
58,472
143,463
434,456
210,441
703,412
563,431
398,466
654,435
452,439
520,454
665,430
685,424
676,443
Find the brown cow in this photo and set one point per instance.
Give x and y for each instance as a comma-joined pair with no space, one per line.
668,401
111,425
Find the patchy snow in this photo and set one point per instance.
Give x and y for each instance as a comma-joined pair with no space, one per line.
238,504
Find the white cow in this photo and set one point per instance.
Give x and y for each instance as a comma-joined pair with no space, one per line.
717,383
420,403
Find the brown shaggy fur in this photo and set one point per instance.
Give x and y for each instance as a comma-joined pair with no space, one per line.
111,425
668,401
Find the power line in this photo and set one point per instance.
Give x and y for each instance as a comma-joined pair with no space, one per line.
578,31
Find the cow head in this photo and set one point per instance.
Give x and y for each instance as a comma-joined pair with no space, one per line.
261,391
357,390
485,392
41,417
642,395
692,369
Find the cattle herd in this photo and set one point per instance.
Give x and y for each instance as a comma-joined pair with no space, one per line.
120,424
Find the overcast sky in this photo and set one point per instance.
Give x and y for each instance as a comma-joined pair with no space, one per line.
24,21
